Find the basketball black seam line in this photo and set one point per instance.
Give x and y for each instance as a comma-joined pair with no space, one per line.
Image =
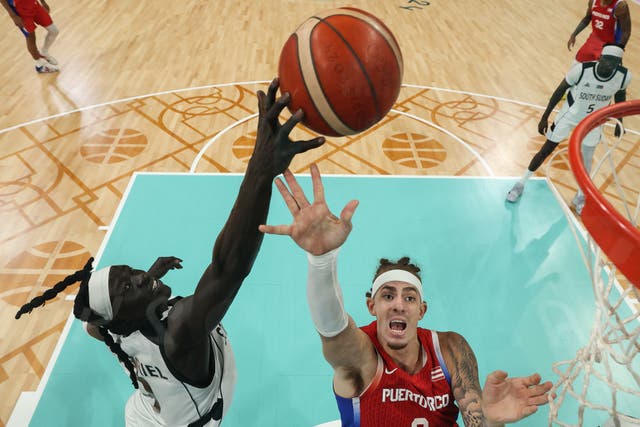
364,71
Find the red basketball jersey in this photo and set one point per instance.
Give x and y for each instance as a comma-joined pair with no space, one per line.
603,21
396,399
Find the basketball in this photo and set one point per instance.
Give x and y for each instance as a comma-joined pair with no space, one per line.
343,68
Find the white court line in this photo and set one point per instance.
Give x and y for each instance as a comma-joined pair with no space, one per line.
31,399
27,405
166,92
441,129
133,98
215,138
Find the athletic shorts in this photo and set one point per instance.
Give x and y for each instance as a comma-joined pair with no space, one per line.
32,13
561,130
591,49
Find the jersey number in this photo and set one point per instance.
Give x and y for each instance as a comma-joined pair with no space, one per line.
598,24
590,108
420,422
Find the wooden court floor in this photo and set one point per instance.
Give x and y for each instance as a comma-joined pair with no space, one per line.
480,71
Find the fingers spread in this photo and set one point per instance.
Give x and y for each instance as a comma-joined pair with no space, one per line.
296,190
261,102
531,380
276,108
271,92
302,146
287,197
318,188
348,211
288,126
496,376
283,230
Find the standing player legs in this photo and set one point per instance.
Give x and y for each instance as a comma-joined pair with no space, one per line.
52,34
537,160
588,148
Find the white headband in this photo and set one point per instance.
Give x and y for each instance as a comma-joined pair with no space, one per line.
99,299
612,50
397,276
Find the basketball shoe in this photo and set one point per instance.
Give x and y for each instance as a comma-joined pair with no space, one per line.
578,203
50,59
516,191
42,66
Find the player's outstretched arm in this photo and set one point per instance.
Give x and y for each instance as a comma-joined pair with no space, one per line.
238,243
503,400
320,233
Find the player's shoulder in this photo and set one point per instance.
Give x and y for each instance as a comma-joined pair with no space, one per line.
451,339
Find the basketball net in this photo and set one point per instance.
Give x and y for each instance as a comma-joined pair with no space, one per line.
600,386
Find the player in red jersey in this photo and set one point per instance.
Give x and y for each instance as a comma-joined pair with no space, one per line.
26,14
392,372
610,23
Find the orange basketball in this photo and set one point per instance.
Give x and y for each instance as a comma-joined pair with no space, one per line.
343,67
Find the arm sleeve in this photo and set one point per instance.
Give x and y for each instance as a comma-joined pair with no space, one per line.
324,294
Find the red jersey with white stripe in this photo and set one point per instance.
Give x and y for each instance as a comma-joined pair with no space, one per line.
604,24
397,399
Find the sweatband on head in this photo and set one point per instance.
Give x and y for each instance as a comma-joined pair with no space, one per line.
612,50
99,299
397,276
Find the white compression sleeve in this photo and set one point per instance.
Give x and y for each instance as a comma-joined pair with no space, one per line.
324,294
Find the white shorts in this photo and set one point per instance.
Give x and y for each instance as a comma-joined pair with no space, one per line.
562,130
565,123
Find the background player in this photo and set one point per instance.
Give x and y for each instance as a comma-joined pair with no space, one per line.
392,372
591,86
610,23
177,349
25,15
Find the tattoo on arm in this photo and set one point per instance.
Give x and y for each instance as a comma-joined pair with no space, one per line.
465,382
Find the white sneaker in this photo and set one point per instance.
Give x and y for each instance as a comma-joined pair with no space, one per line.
50,59
45,67
515,192
578,203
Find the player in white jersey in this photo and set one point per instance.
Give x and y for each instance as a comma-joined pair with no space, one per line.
176,351
591,86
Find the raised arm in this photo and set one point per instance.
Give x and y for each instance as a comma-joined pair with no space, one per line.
584,23
320,233
503,400
238,243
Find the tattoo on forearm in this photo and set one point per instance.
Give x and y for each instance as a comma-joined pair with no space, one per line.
466,386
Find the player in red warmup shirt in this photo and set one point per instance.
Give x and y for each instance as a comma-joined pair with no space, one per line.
610,23
26,14
392,372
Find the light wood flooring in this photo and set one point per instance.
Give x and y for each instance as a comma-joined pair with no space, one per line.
58,186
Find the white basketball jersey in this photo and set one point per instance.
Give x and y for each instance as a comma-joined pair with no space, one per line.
164,400
589,92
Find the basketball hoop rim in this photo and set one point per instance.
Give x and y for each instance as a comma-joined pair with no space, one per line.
613,233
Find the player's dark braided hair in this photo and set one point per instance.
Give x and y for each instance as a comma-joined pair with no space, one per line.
82,311
403,263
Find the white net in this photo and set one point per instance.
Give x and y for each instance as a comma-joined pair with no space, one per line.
600,386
